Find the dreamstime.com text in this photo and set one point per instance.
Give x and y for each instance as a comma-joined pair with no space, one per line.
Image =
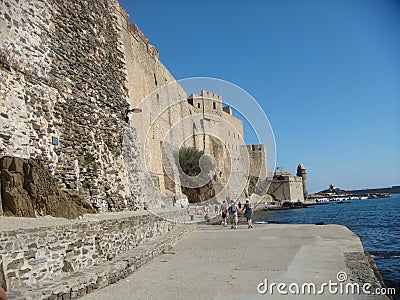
335,288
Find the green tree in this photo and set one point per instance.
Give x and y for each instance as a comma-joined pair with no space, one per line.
189,160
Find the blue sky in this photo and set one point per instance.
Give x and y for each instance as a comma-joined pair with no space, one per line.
326,73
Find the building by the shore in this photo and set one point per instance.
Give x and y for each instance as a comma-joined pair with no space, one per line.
288,187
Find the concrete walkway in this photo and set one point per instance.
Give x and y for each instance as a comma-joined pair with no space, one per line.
220,263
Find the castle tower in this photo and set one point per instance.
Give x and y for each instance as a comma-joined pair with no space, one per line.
257,160
301,171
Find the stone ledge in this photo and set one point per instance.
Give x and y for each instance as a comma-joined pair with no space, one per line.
83,282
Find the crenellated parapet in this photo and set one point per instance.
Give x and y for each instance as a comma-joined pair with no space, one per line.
138,34
255,148
210,95
141,37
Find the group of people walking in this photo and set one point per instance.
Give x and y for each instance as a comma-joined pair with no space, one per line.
233,210
229,211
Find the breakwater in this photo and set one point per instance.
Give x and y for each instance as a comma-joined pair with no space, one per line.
375,221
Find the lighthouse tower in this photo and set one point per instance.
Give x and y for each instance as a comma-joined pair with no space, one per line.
301,171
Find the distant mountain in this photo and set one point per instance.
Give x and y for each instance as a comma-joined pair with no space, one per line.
390,190
333,190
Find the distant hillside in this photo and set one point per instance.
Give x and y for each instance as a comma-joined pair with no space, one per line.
333,190
392,190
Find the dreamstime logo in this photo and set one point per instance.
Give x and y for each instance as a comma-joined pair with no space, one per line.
335,288
205,114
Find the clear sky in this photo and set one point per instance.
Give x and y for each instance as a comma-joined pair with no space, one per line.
326,73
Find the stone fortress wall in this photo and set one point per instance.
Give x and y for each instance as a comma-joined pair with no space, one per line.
258,160
63,96
68,72
208,126
165,104
287,187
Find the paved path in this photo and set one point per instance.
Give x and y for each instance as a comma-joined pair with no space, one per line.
219,263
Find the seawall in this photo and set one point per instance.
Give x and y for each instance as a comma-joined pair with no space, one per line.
40,258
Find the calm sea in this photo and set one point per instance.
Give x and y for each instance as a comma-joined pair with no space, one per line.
375,221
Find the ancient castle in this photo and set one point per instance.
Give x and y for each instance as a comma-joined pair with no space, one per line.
72,75
91,121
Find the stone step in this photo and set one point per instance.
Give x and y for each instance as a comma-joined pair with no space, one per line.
85,281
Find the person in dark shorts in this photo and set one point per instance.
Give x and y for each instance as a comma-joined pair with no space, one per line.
224,212
248,213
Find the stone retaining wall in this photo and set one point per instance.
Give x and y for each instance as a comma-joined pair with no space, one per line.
32,257
63,96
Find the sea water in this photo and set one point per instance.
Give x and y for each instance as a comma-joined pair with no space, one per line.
375,221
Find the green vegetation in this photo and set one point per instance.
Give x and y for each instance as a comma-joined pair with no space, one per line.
189,160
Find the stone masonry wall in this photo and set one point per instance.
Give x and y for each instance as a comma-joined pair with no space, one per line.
30,257
153,88
89,67
257,160
62,95
287,188
68,71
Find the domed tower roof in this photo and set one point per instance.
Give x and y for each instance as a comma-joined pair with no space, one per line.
301,170
301,166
